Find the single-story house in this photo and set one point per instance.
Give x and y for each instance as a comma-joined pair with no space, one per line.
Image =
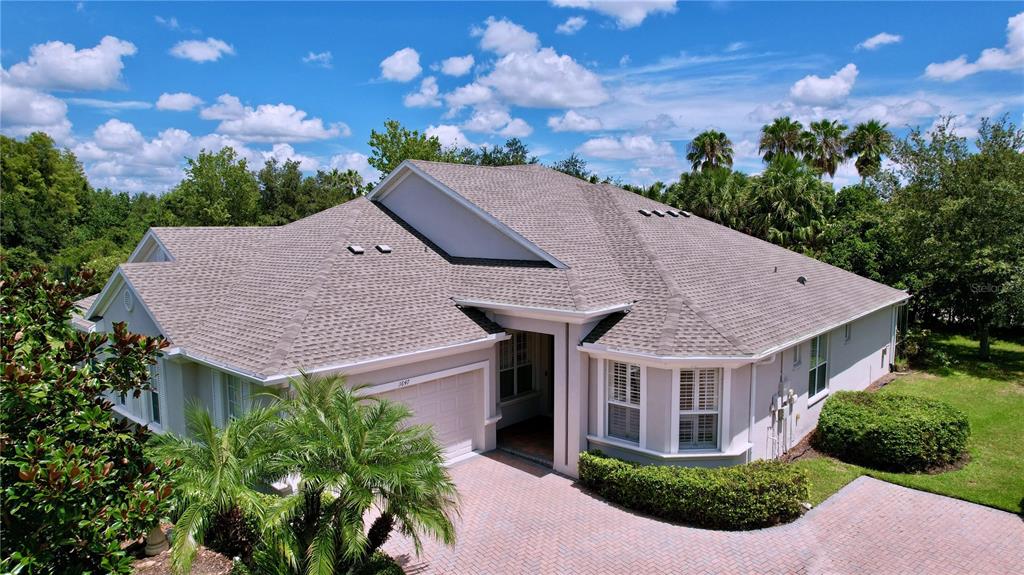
484,297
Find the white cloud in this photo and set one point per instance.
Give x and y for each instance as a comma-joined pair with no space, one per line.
497,121
642,148
545,79
625,60
25,110
571,26
819,91
321,59
268,122
1010,57
505,37
516,128
284,152
449,136
59,66
117,135
177,102
457,65
879,40
110,106
228,107
573,121
150,165
355,161
468,95
402,66
209,50
426,97
735,46
170,23
627,13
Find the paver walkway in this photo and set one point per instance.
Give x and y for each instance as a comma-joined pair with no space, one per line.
522,518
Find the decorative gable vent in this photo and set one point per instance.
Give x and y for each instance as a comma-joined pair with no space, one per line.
659,213
356,249
127,300
383,248
645,213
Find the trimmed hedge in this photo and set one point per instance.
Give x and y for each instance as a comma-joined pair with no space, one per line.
748,496
890,431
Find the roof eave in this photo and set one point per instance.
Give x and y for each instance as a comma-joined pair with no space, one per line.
545,313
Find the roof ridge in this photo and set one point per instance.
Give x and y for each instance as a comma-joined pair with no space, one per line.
677,299
293,325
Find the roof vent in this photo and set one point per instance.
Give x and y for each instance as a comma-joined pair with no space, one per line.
356,249
383,248
685,213
659,213
802,280
645,213
672,213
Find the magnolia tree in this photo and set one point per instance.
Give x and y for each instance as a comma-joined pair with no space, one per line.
76,484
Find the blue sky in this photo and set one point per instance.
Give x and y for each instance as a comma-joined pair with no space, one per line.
133,88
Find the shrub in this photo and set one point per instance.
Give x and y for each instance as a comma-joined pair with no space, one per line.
891,431
748,496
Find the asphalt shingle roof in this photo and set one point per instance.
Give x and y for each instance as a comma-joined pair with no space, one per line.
272,299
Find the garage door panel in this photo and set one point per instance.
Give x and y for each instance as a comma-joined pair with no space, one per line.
452,406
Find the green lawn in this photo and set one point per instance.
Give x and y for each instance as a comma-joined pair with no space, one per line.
992,395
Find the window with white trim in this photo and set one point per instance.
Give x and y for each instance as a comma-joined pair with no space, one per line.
156,381
623,400
817,378
515,368
234,397
700,392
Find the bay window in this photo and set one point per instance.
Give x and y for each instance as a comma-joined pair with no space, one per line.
623,399
700,393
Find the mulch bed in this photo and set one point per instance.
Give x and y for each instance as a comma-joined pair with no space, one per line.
207,562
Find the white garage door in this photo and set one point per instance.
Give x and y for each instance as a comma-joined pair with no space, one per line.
453,405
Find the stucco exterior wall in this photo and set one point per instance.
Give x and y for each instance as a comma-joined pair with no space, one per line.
456,229
852,365
138,320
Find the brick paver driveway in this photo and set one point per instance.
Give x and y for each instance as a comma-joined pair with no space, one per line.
521,518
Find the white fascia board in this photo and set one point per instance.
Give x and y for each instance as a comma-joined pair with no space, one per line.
603,351
804,337
149,236
374,364
100,303
544,313
665,361
400,173
179,353
103,300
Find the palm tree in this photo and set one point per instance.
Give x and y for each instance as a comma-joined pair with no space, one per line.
214,474
718,195
710,149
780,138
355,456
868,142
824,146
788,204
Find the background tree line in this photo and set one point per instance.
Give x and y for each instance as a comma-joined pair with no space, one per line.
939,219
